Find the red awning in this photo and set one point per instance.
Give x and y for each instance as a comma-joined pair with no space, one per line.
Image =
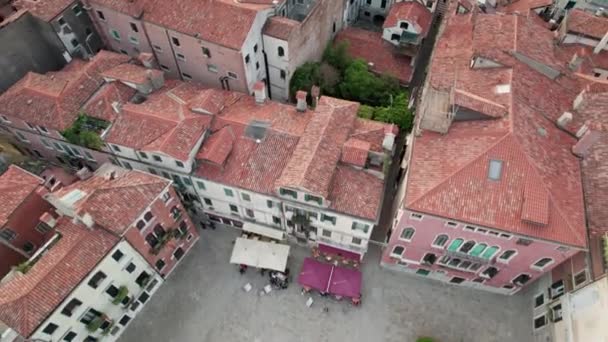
315,274
327,278
340,252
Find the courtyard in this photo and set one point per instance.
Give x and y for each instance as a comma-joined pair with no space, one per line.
203,300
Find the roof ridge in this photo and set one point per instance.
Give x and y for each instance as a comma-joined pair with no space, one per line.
447,178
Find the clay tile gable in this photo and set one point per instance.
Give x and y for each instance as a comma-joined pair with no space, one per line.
411,11
355,152
471,101
217,148
16,185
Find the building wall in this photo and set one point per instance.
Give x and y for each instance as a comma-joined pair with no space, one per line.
429,227
251,72
389,31
373,8
24,220
130,42
28,44
9,258
99,300
162,216
279,86
77,25
577,39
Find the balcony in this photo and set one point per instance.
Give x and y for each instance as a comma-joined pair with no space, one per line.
466,256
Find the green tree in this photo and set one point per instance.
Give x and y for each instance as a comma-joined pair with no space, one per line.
398,113
337,56
304,78
360,84
366,112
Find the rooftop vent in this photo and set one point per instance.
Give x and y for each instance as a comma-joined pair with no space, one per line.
503,89
256,130
495,169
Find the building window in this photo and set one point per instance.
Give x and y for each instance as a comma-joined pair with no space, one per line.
7,234
4,119
469,228
180,56
495,170
507,255
395,36
540,321
228,192
74,43
89,316
179,163
247,59
212,68
206,52
124,320
143,155
50,328
287,192
281,51
160,264
478,249
360,226
175,41
134,27
157,158
524,242
539,300
117,255
356,241
157,48
142,279
201,185
457,280
130,267
490,272
255,48
133,40
269,203
69,308
207,201
490,252
283,74
580,278
246,197
97,279
311,198
257,65
327,233
21,137
249,213
404,25
234,208
69,337
28,247
115,34
398,251
77,10
521,279
276,220
415,216
440,240
232,75
407,234
327,218
542,263
455,244
186,77
101,16
467,246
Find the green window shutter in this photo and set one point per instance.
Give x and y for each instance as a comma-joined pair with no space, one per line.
455,245
488,253
477,250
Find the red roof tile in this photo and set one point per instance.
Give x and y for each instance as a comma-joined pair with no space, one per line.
279,27
218,146
373,49
46,10
113,203
448,174
16,185
131,73
355,152
100,105
412,11
356,193
133,8
579,21
318,151
27,300
524,6
53,100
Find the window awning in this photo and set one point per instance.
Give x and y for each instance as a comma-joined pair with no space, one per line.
260,254
265,231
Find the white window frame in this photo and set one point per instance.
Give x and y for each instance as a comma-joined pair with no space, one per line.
538,316
393,255
451,224
576,286
182,58
43,130
538,268
403,230
534,306
119,38
133,40
437,246
506,261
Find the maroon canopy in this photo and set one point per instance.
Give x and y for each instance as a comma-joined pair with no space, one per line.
315,274
345,282
337,251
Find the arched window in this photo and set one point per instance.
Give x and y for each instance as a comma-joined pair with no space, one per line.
507,255
543,262
478,249
455,244
148,216
521,279
397,251
467,246
440,240
490,272
489,252
407,234
281,51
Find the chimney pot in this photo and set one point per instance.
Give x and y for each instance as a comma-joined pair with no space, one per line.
301,104
564,120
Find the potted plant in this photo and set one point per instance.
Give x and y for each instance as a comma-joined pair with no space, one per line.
123,291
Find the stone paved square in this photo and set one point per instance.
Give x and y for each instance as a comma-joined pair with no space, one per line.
203,300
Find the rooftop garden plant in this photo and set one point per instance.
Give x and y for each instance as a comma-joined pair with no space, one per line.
85,131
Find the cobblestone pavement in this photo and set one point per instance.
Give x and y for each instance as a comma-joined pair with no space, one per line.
203,300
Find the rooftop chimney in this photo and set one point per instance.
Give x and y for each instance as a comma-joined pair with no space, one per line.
116,106
87,220
575,62
590,137
389,137
147,59
602,44
301,104
156,78
315,92
564,120
259,91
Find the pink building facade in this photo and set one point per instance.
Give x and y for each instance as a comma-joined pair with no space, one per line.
428,246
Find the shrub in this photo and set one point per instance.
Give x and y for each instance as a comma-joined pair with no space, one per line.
85,132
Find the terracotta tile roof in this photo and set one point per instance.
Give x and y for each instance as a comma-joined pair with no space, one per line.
524,6
412,11
211,101
16,185
224,23
355,152
133,8
356,192
113,203
163,123
279,27
100,105
579,21
54,99
372,48
218,146
479,104
590,60
46,10
318,150
131,73
449,174
27,300
372,132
